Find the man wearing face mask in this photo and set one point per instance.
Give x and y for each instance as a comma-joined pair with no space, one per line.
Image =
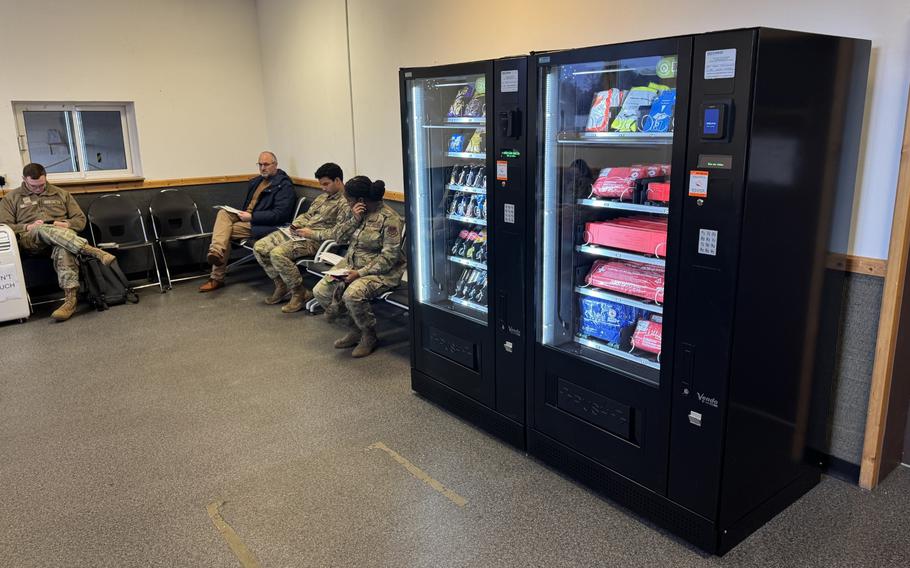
269,203
46,219
373,264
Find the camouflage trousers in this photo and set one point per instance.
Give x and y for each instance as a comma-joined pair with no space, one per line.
277,253
63,246
336,297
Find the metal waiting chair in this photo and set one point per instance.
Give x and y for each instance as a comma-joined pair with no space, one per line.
175,219
247,244
116,224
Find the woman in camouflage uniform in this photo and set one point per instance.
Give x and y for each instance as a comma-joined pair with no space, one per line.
374,262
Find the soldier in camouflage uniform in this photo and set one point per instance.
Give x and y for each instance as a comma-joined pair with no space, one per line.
277,252
374,264
46,219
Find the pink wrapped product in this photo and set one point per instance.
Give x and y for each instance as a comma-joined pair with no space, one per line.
637,233
647,336
633,278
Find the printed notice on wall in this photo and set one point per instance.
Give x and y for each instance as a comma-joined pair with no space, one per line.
720,64
508,81
9,284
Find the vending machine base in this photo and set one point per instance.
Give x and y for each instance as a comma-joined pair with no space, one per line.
468,409
657,509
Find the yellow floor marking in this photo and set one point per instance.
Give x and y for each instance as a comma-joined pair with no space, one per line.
239,549
421,475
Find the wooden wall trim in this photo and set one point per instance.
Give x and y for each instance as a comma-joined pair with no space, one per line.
307,182
857,264
889,323
82,187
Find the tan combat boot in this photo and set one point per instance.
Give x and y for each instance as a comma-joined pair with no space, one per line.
281,290
300,295
106,258
349,340
367,343
66,311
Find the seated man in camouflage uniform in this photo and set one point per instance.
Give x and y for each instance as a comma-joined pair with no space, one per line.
374,264
277,252
45,219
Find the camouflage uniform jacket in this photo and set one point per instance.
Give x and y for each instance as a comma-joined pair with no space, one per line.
375,246
322,216
20,207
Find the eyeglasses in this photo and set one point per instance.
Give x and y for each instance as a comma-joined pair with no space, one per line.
264,164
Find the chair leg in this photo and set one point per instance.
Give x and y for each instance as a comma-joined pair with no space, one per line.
167,269
157,268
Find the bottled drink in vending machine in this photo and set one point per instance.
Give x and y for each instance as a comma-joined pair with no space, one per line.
458,240
480,210
477,245
476,286
456,174
453,205
469,285
462,205
469,210
481,296
469,179
463,245
462,176
480,177
466,275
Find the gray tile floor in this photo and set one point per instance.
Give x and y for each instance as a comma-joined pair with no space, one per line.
117,429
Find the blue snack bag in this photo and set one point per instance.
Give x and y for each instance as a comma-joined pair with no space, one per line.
456,143
604,319
660,117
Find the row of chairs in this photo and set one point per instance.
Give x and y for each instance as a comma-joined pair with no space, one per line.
116,223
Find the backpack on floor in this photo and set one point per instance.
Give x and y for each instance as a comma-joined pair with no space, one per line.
104,286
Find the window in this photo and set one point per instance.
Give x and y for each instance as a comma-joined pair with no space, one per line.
79,141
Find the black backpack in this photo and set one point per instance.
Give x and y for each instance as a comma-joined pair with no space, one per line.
103,285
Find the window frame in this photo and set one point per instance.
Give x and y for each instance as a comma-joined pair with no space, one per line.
127,125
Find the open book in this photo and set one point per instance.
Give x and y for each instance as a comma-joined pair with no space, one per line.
337,272
227,208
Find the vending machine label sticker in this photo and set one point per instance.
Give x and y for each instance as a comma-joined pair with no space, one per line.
502,170
508,81
698,183
720,64
707,242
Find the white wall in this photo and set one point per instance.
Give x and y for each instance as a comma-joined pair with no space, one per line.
191,66
305,62
388,34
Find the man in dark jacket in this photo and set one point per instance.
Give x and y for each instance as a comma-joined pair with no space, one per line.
269,203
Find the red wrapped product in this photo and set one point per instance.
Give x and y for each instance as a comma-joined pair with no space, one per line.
633,278
647,336
658,191
638,233
617,182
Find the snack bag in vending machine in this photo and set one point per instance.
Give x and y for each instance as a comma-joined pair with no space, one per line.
602,109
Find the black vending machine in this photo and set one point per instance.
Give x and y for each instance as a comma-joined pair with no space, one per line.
679,217
463,130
